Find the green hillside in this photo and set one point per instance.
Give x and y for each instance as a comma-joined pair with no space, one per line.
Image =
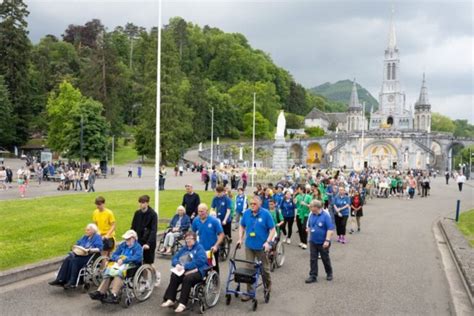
341,91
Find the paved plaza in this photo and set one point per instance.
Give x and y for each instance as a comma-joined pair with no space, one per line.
392,267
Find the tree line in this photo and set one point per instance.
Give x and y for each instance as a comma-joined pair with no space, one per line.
107,79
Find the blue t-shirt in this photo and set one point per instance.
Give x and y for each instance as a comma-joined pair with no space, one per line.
208,231
318,227
240,204
257,227
278,197
266,201
94,241
221,204
340,201
287,208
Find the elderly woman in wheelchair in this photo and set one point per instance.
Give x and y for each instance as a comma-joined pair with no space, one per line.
190,267
178,226
82,252
127,257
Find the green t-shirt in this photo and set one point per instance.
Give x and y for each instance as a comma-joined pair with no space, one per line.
276,216
394,182
302,210
322,190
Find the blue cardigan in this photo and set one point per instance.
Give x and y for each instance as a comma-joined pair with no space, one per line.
94,241
132,254
198,258
185,222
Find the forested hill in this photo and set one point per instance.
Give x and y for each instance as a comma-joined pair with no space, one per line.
341,92
108,76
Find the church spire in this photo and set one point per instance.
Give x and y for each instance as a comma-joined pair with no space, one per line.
392,37
423,99
354,101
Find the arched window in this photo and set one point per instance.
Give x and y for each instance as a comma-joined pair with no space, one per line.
393,71
417,125
389,71
422,122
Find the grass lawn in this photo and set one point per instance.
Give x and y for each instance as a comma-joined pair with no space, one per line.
42,228
125,154
466,225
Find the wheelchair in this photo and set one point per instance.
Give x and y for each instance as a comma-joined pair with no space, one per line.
207,292
247,276
178,243
276,255
91,274
137,285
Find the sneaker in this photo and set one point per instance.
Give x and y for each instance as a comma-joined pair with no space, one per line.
288,241
329,277
358,230
245,298
300,245
338,238
311,279
304,246
97,295
111,299
351,231
69,286
180,308
168,303
343,239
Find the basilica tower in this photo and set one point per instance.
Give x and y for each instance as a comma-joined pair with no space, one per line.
391,113
423,110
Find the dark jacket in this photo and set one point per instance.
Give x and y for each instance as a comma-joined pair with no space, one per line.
191,202
146,225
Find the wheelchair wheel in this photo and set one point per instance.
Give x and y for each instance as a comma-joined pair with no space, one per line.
202,308
176,247
212,289
224,250
254,305
144,282
125,301
94,273
280,255
228,298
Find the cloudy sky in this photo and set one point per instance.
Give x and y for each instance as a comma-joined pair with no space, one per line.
317,41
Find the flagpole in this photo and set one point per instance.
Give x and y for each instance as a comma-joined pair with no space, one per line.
158,108
253,141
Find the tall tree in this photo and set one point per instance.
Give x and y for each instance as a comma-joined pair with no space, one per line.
14,58
7,128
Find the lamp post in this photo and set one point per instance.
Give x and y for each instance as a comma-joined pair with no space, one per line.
82,143
158,108
253,141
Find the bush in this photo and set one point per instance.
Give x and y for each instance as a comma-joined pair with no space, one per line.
314,131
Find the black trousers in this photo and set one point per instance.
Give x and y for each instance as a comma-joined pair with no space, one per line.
289,221
341,223
187,282
301,224
460,186
70,268
315,250
447,179
227,228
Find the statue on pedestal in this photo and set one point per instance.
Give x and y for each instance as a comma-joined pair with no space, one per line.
281,125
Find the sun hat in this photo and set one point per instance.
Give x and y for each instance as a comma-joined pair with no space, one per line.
129,234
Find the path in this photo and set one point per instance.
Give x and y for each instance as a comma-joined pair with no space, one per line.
391,268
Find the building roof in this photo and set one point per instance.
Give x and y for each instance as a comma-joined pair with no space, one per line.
339,117
354,104
316,114
392,37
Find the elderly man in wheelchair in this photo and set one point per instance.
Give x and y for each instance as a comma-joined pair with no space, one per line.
83,252
178,226
191,270
124,261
